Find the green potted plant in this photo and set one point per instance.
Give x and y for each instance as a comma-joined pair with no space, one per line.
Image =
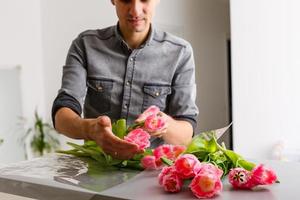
42,139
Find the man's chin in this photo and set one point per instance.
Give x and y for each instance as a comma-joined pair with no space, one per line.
139,29
136,29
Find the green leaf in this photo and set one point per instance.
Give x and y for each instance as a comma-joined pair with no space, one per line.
89,143
133,164
218,157
138,157
201,155
119,128
135,126
207,135
166,161
212,145
198,144
100,157
234,157
114,161
74,152
245,164
148,151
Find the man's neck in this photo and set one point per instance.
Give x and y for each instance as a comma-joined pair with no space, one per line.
135,39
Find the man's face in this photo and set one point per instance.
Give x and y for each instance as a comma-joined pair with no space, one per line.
135,15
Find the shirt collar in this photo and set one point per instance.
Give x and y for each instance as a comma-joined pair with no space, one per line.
146,43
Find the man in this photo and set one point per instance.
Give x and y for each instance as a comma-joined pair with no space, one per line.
118,72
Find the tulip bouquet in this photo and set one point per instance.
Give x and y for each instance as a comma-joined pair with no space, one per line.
202,164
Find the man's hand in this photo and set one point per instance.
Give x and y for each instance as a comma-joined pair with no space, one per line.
100,130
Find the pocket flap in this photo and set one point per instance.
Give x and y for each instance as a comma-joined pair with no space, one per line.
100,85
157,90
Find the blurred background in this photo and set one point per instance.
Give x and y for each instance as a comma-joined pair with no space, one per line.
247,68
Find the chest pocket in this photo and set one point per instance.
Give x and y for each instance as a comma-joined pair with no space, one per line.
99,94
156,95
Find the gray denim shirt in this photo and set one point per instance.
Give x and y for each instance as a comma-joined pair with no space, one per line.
105,77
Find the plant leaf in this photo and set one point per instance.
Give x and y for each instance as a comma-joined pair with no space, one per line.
212,146
245,164
198,144
100,157
166,161
232,156
119,128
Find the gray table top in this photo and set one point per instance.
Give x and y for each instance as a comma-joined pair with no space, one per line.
65,177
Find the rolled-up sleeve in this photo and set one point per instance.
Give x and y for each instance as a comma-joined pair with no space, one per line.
73,88
182,101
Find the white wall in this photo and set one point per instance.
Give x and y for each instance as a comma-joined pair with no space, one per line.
266,69
21,44
9,132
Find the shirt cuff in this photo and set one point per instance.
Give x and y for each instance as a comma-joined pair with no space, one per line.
189,118
65,100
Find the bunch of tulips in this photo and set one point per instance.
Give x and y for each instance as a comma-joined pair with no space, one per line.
203,163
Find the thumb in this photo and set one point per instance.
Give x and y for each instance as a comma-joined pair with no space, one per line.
104,121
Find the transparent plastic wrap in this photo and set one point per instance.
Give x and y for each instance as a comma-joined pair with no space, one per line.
81,172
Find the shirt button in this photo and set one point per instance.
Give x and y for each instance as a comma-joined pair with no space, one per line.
157,94
127,83
125,106
131,59
99,88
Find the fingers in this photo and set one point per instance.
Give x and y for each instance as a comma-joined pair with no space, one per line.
159,133
117,147
112,144
123,151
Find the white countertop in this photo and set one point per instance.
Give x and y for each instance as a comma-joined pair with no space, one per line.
64,177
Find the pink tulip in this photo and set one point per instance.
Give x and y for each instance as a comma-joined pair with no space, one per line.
164,150
243,179
262,175
148,162
139,137
168,151
178,150
170,180
205,167
152,110
165,171
187,166
240,178
206,184
154,123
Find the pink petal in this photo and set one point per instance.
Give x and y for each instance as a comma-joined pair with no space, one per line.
212,168
148,162
206,184
152,110
240,178
154,123
139,137
187,166
262,175
169,179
